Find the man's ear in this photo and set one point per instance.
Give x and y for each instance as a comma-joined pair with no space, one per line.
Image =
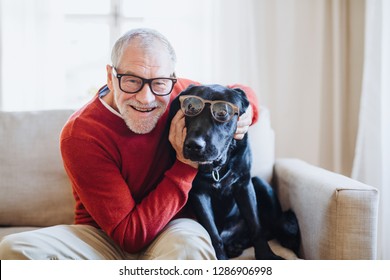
243,100
109,77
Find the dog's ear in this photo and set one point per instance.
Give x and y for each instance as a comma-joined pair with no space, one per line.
188,90
174,107
244,102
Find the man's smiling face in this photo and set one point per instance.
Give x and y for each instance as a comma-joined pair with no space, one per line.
142,110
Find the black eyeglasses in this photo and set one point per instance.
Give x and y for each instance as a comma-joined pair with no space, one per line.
221,111
133,84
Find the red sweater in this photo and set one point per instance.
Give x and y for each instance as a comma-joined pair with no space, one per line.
125,183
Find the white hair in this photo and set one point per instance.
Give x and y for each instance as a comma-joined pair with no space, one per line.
144,37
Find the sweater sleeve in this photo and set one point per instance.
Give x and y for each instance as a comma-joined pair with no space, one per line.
103,196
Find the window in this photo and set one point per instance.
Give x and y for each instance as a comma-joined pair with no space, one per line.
54,53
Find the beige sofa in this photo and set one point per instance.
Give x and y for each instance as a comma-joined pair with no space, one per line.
337,215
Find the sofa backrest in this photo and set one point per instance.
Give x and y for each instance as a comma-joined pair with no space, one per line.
34,188
262,141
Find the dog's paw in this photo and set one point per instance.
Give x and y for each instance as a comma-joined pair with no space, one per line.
264,252
270,256
234,250
220,253
276,257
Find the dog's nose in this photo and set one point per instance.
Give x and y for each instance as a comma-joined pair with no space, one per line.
195,145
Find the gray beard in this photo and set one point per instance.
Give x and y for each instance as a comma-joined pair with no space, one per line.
136,125
140,127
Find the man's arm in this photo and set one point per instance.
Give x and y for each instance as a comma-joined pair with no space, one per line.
104,199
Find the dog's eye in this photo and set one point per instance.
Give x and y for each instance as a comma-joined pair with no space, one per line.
222,112
192,106
222,115
192,110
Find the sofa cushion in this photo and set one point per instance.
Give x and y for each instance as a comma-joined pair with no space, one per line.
35,190
4,231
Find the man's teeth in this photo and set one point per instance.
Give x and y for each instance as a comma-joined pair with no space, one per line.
143,109
204,162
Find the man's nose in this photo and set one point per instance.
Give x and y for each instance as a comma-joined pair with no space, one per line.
145,95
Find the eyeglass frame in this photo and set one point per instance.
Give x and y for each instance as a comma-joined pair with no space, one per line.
236,110
144,81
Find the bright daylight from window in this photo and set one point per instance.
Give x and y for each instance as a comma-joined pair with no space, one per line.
54,53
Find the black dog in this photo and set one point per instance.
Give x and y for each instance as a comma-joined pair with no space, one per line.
237,211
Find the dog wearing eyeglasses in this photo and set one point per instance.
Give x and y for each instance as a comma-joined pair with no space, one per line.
237,211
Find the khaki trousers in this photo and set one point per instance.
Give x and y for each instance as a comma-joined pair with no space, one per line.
182,239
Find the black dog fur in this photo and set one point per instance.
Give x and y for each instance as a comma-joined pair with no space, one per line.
237,211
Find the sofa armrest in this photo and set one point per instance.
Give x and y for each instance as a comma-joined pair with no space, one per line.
337,215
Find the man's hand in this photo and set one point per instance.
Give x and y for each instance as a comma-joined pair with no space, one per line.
243,123
177,135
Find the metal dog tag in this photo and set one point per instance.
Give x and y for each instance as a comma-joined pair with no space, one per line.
215,174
